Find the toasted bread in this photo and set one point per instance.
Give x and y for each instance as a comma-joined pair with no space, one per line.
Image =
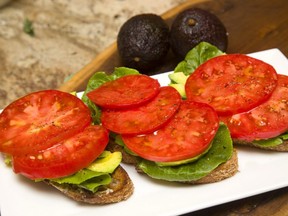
120,189
223,171
282,147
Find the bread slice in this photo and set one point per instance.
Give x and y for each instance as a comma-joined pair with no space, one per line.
120,189
223,171
282,147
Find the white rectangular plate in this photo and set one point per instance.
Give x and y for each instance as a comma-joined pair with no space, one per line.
259,171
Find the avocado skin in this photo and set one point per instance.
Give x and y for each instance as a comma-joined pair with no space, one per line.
143,41
207,27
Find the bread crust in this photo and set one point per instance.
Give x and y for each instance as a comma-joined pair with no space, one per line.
223,171
282,147
120,189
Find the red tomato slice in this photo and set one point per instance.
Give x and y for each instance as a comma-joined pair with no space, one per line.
39,120
65,158
232,83
265,121
145,118
188,134
125,92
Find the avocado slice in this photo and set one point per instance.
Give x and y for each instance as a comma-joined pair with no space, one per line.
180,88
178,81
178,77
185,161
106,163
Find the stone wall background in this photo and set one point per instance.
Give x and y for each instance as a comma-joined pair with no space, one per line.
68,34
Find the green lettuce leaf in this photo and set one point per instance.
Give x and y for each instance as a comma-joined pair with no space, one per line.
196,56
8,160
220,152
284,136
95,183
92,177
268,142
87,179
272,141
79,177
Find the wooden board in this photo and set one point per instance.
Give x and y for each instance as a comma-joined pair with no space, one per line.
253,26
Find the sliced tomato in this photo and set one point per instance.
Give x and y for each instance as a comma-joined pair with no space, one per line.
41,119
232,83
265,121
146,118
125,92
65,158
188,134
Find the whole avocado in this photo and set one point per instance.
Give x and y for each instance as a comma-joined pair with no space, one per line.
143,41
193,26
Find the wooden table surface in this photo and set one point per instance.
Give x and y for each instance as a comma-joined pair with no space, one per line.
253,25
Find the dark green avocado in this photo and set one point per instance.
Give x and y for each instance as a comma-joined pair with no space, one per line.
196,25
143,42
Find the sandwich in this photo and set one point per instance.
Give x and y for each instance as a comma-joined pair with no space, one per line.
48,136
266,125
161,134
253,104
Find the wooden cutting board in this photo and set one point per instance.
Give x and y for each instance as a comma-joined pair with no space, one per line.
253,26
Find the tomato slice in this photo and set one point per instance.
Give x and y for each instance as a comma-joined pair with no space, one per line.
125,92
65,158
188,134
41,119
265,121
232,83
145,118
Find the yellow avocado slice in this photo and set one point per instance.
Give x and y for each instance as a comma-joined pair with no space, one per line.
107,162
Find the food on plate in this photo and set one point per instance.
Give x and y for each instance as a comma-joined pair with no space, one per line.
49,136
143,41
125,92
143,119
195,25
231,83
187,139
191,148
65,157
248,94
266,125
44,118
195,57
188,134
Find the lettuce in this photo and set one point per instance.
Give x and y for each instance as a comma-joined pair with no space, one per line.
196,56
90,178
86,178
272,141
